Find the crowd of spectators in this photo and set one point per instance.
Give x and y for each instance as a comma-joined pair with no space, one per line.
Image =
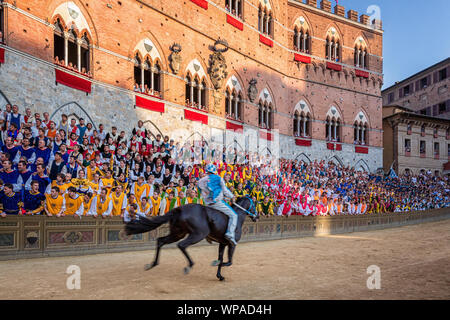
72,67
73,168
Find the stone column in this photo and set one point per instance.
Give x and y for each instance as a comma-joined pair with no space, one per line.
79,54
357,59
304,41
66,48
362,135
304,126
200,95
335,130
236,107
298,41
329,130
230,101
152,79
299,121
142,76
192,92
363,58
236,3
336,51
329,49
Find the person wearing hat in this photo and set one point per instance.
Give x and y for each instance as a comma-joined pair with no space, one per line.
213,191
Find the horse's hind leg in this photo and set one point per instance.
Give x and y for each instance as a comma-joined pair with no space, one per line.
219,268
160,242
193,238
230,256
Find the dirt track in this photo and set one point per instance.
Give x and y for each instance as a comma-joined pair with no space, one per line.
414,263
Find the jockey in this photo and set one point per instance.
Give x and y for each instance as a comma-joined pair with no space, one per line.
213,191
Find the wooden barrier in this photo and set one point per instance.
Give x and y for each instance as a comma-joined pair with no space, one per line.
40,236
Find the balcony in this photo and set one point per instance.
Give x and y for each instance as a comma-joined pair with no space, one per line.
407,153
436,156
423,155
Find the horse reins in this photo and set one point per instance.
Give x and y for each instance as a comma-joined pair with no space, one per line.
245,210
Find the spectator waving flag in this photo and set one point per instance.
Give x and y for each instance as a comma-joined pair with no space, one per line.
392,174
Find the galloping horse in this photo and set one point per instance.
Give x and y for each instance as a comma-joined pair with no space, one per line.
199,222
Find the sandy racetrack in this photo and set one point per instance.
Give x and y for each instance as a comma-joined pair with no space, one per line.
414,263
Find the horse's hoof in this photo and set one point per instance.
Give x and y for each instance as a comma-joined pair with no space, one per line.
215,263
148,267
221,278
226,264
187,270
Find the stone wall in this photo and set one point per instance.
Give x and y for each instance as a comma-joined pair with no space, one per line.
40,236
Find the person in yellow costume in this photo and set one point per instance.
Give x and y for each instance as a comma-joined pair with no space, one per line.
96,184
73,202
156,202
101,205
91,169
54,203
119,202
59,182
81,184
108,181
145,207
139,189
87,201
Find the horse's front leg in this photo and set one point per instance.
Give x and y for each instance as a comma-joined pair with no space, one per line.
219,262
230,256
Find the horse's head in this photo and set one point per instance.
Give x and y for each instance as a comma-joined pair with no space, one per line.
248,206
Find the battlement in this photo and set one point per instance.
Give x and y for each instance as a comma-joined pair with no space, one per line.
339,10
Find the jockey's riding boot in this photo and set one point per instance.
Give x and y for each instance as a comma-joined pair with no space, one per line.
230,238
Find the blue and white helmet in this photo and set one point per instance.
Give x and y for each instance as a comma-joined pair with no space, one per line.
211,168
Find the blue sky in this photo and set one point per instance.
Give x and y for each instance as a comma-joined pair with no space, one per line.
415,34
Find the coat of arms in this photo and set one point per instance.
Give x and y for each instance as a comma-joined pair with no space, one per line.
175,58
252,90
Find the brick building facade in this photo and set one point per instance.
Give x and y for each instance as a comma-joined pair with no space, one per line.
286,77
426,92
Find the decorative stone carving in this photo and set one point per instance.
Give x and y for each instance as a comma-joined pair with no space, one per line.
175,58
218,66
252,90
72,237
218,70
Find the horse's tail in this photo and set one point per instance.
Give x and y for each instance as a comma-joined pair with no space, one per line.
146,224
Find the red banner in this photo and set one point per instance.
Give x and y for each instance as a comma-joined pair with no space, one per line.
201,3
72,81
302,58
265,135
266,41
360,73
334,66
235,127
235,22
150,104
361,150
2,55
338,147
303,143
194,116
330,146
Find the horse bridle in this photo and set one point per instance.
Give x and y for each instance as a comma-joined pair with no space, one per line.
254,215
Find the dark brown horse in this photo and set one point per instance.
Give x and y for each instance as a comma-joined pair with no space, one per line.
198,222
